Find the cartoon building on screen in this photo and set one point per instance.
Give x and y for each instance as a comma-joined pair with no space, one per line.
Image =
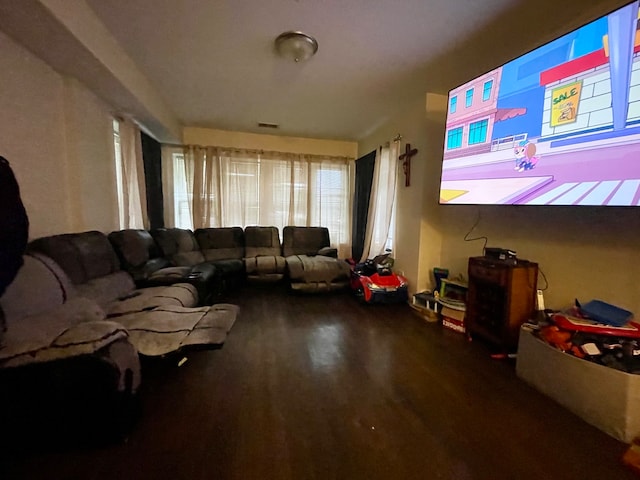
472,110
574,102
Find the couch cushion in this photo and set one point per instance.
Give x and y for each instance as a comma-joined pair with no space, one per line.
72,341
138,253
108,288
146,299
178,245
83,256
34,333
221,243
317,273
304,240
271,267
170,328
39,286
134,247
261,241
229,267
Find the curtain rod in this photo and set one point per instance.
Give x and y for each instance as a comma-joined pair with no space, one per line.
396,139
264,152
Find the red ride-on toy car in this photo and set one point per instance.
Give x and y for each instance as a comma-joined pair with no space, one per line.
374,282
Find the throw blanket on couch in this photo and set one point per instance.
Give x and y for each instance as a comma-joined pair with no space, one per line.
317,273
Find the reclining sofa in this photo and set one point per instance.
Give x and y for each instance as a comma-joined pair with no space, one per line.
158,319
311,262
85,306
304,257
263,260
73,325
141,257
221,259
66,371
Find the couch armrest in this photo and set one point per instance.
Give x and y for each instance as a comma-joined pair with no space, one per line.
328,252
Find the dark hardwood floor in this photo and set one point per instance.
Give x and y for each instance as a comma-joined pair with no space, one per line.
322,387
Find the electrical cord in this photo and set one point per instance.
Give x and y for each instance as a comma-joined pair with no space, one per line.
484,246
467,239
546,282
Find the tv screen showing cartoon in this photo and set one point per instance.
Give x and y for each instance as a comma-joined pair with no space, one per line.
559,125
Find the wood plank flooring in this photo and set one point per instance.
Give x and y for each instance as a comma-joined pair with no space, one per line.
322,387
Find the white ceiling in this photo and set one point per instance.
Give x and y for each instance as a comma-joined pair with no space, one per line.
214,64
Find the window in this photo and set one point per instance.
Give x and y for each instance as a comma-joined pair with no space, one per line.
181,197
214,187
478,132
117,149
486,91
453,104
454,138
469,98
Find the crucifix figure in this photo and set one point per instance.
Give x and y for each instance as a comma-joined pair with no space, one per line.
406,164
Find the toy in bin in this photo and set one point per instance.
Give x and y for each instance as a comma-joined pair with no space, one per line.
598,317
374,282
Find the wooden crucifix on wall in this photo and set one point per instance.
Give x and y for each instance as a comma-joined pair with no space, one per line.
406,164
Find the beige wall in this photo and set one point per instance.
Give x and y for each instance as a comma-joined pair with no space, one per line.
224,138
418,237
55,134
90,162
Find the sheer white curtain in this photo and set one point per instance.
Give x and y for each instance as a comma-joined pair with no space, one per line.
381,201
133,192
234,187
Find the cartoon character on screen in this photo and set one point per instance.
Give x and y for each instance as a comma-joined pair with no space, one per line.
525,153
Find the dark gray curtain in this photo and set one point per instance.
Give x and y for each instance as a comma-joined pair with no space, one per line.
152,157
364,179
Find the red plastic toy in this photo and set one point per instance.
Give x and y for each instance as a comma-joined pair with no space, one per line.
374,282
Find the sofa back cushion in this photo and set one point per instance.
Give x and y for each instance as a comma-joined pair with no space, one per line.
39,286
178,245
224,243
138,252
261,241
304,240
133,247
107,289
83,256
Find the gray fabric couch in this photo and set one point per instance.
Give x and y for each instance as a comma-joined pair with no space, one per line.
65,369
311,262
220,247
140,256
263,258
158,320
224,247
92,265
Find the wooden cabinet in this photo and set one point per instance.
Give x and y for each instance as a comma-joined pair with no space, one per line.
501,297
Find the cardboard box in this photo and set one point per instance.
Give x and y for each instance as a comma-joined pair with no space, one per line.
604,397
453,319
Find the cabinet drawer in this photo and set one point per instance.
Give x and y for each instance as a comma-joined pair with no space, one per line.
487,273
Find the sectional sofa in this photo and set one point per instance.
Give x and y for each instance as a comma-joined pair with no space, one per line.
218,259
85,306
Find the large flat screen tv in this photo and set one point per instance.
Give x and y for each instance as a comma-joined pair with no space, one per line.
559,125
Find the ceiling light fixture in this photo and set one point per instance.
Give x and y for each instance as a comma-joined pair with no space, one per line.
296,45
